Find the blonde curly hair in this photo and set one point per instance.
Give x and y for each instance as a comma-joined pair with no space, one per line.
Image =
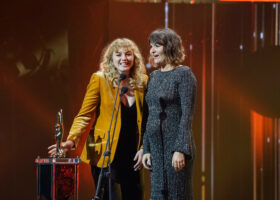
136,79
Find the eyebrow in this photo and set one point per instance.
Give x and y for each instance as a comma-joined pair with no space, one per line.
128,51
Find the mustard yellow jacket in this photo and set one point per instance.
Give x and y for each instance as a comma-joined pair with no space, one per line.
96,110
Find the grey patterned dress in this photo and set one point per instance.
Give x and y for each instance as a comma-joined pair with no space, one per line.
170,103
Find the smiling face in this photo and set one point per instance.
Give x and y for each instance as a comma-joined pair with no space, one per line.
157,54
123,60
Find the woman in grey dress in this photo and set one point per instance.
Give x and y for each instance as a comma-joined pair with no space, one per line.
169,148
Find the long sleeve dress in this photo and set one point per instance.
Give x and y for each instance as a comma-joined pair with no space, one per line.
170,99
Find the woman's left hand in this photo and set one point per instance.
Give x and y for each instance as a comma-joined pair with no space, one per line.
138,159
178,161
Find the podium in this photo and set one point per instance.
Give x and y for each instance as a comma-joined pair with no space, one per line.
57,178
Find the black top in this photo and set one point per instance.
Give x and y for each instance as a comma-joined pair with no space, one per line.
127,143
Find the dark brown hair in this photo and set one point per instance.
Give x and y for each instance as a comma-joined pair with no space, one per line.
172,45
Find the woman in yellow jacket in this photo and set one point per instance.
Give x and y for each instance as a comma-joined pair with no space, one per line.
122,55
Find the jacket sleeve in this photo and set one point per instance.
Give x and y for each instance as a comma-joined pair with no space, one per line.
187,92
87,114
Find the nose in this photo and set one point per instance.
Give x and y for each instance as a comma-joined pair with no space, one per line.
152,50
123,57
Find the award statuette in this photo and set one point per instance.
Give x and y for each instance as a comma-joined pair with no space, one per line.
57,177
59,131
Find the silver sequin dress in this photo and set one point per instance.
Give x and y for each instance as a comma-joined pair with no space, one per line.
170,100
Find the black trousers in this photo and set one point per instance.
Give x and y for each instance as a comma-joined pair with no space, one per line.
129,182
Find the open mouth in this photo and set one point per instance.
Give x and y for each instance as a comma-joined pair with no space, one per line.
124,64
155,56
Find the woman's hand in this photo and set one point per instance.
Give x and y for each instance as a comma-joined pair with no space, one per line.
178,161
65,146
147,162
138,158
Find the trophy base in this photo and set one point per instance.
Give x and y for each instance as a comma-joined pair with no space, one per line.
57,178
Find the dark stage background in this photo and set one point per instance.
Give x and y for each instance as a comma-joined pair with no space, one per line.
49,49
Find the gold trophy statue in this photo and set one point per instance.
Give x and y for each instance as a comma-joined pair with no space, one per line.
59,131
57,176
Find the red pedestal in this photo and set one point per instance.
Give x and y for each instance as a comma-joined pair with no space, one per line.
57,178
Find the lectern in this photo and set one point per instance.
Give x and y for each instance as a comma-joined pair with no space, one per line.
57,178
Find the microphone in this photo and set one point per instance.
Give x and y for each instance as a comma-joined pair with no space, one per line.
122,77
124,90
99,188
